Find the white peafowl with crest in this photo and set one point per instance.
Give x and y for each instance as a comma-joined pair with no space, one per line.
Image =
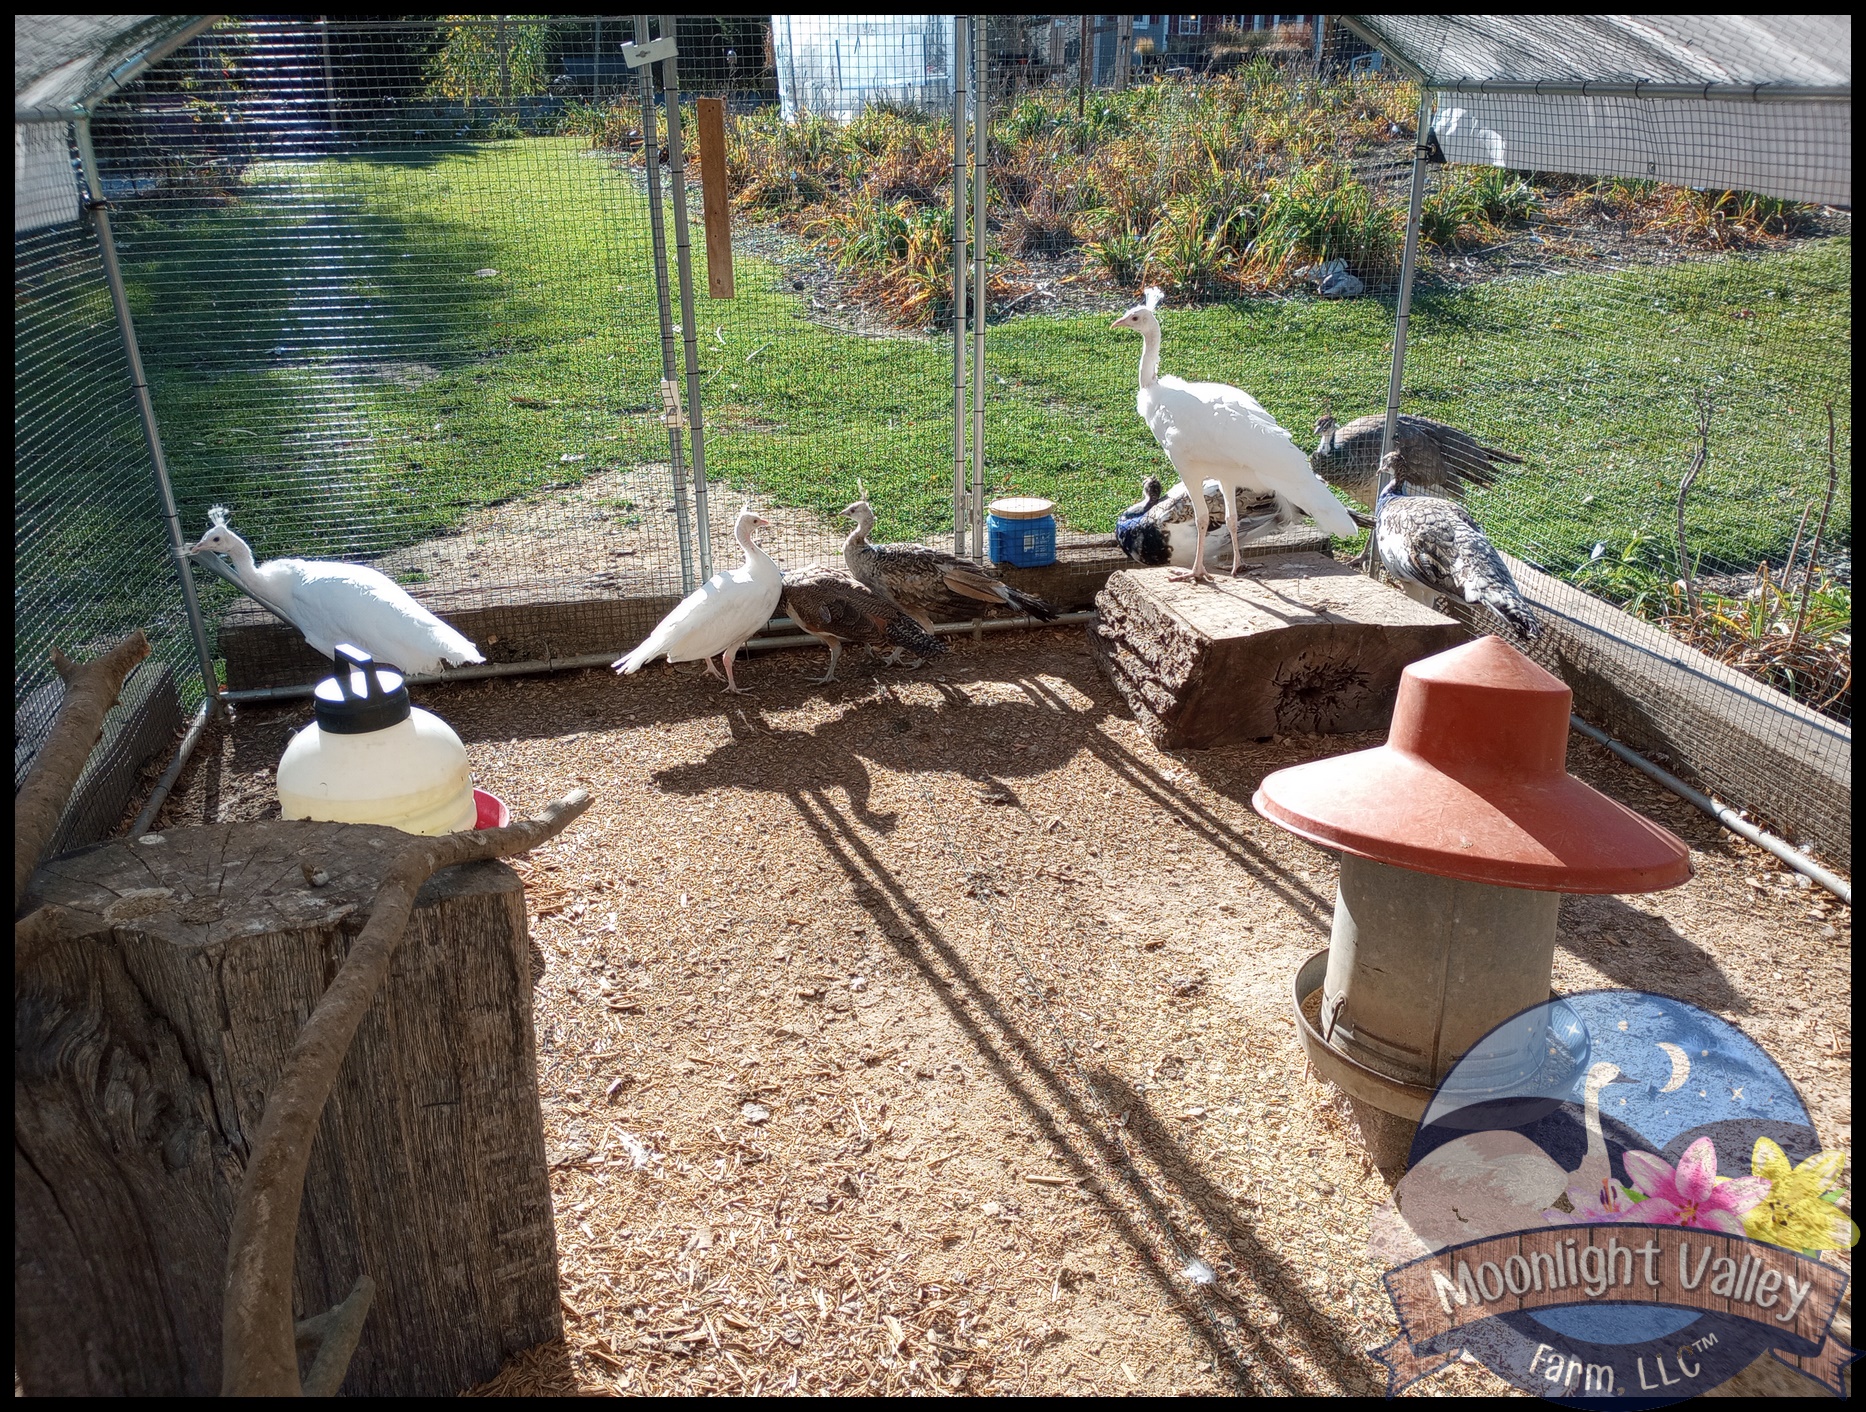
1210,430
717,618
332,603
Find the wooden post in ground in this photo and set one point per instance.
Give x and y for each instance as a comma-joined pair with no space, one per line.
143,1055
715,198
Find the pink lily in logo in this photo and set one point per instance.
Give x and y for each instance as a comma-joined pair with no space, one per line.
1610,1203
1692,1195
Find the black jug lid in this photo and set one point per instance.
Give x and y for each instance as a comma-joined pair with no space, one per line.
363,697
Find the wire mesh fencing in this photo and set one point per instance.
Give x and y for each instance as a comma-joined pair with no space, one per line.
90,554
388,314
400,299
1671,363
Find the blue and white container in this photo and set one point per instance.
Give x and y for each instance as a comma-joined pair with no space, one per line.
1021,530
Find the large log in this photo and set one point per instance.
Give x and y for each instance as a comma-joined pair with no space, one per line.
142,1060
1302,646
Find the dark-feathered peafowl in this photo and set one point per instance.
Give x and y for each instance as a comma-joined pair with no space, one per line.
1433,546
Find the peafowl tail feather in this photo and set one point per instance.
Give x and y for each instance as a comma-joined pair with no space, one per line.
903,631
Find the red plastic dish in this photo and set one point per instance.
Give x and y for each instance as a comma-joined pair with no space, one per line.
492,813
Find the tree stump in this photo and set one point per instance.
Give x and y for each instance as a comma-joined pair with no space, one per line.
142,1059
1303,646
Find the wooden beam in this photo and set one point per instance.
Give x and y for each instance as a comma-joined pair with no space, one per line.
715,199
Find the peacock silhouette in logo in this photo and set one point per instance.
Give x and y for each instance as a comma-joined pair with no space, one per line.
1619,1198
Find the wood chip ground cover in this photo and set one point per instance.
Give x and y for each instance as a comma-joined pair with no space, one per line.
919,1033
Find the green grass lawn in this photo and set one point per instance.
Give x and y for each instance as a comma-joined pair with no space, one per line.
327,359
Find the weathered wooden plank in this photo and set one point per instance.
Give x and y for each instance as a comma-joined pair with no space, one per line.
715,202
541,621
1304,645
142,1066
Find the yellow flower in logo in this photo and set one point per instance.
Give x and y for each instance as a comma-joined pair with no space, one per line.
1796,1212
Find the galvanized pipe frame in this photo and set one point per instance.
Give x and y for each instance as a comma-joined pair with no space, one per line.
651,173
683,260
117,79
977,627
99,209
981,142
960,65
1409,263
1777,847
146,816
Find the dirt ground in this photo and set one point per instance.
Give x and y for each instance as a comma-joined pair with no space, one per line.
920,1032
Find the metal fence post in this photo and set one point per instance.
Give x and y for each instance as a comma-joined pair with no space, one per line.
651,171
959,65
145,408
981,142
683,259
1408,266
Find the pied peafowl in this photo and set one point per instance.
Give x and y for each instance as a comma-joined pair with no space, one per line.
834,607
1159,529
332,603
929,583
1439,460
1212,430
717,618
1433,546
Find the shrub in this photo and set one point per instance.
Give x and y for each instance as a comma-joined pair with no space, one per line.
605,124
1038,229
1323,213
482,60
1472,205
1121,256
1187,251
1721,220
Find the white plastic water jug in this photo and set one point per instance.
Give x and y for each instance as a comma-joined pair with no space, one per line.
372,758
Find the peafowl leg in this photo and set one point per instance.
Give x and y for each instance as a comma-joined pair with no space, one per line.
732,686
1231,524
711,670
1197,572
835,651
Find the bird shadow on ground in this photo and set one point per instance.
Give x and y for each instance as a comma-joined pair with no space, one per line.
1641,952
986,742
1070,1115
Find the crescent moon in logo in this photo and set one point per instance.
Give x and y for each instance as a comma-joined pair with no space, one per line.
1681,1067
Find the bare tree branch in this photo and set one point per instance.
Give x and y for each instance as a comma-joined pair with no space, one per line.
1684,489
258,1355
91,689
1814,549
334,1335
43,927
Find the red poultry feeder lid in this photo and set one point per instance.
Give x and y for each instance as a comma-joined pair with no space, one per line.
1472,785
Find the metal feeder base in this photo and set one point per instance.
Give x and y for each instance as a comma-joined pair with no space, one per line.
1386,1110
1418,970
